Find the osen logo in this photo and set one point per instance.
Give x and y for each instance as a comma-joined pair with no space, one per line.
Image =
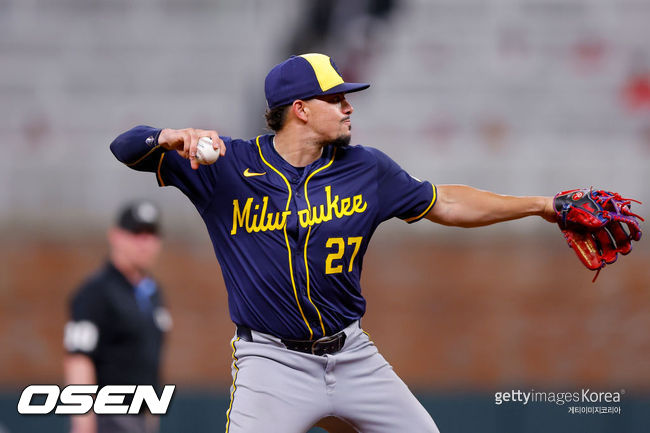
78,399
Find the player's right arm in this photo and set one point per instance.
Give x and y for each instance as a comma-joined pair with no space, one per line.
140,147
166,152
79,369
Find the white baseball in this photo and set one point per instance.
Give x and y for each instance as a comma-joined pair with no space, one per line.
205,153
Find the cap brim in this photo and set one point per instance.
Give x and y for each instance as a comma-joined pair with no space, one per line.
346,88
137,228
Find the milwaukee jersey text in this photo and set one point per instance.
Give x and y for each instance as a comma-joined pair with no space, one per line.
290,241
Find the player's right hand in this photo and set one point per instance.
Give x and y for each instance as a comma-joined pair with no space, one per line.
184,141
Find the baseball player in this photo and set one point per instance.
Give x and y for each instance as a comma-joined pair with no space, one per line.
290,215
118,320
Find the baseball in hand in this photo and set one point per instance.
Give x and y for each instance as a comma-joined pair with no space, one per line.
205,153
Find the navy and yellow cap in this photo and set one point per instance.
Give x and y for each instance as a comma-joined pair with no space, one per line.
303,77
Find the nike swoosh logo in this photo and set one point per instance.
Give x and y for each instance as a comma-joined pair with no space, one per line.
249,173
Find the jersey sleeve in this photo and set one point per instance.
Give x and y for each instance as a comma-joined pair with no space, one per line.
83,330
400,194
138,149
198,185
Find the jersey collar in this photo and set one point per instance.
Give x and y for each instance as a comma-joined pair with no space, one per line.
287,169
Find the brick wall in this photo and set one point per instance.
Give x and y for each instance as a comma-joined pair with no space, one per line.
466,316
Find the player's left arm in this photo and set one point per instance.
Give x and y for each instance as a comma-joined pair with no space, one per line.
464,206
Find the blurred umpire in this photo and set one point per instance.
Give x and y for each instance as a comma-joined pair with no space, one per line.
117,320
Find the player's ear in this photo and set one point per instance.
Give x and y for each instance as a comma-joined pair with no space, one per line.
300,109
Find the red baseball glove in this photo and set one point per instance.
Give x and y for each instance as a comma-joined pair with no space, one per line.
597,224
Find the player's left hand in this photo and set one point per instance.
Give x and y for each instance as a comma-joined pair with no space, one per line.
597,224
548,213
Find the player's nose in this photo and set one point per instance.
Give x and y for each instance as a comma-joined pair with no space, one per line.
346,107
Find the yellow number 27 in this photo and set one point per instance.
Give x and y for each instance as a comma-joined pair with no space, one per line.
339,244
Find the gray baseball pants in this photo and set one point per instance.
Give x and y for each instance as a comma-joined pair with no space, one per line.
280,390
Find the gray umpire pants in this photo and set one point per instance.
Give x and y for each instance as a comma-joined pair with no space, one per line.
284,391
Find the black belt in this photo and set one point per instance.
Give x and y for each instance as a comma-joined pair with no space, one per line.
322,346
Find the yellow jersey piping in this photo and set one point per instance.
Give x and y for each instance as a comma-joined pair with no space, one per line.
160,180
307,239
286,238
234,387
433,200
153,149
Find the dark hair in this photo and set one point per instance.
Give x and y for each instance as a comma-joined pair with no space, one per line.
275,117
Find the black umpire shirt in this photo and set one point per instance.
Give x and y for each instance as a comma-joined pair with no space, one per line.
120,327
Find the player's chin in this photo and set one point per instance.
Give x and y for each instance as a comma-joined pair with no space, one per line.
342,140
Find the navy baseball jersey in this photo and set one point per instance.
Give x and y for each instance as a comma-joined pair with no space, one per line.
290,241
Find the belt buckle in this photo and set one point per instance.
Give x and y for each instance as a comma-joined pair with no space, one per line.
323,341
